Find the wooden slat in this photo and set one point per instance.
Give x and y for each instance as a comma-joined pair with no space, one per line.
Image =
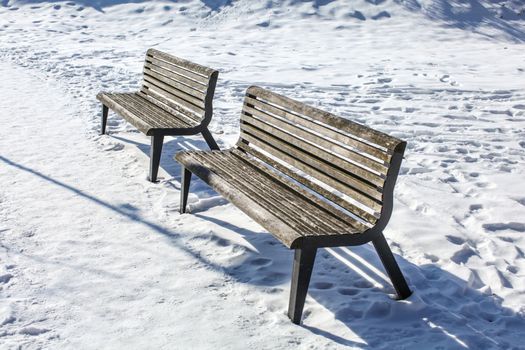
190,117
173,83
319,164
191,66
147,114
176,76
334,179
280,192
366,216
169,99
278,200
299,190
345,125
256,196
319,128
312,147
188,74
173,91
158,117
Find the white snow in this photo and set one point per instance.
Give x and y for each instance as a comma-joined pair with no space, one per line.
93,256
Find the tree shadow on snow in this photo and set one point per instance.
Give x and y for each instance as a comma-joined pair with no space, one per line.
445,312
350,283
99,5
468,15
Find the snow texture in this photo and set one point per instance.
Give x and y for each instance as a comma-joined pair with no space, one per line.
92,256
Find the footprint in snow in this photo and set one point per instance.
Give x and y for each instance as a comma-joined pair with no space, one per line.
322,285
500,226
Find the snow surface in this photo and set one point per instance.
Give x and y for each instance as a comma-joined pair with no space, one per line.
92,256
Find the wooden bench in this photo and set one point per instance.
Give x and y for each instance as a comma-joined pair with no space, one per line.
175,99
312,179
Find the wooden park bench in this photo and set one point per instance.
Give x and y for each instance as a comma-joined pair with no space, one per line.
175,99
312,179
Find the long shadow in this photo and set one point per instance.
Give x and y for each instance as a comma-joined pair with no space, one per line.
351,286
99,5
468,15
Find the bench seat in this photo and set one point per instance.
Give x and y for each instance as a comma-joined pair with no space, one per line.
270,198
143,114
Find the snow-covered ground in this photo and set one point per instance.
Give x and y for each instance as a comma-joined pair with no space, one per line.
92,256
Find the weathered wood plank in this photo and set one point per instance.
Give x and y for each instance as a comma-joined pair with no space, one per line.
311,165
311,129
171,100
176,76
185,64
345,125
175,84
357,211
310,168
306,218
188,116
160,86
272,223
300,190
280,192
375,181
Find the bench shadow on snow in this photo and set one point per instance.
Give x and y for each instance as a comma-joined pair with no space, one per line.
347,283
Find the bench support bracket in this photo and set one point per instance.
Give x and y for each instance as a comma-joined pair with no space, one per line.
104,119
303,265
184,189
154,157
391,267
209,139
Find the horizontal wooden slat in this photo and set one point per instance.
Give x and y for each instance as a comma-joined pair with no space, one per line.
316,145
173,91
366,191
141,113
189,75
366,216
177,76
179,86
321,129
299,190
344,125
282,193
331,163
253,209
168,98
185,114
278,200
192,67
335,179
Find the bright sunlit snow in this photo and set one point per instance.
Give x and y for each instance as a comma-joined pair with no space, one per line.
93,256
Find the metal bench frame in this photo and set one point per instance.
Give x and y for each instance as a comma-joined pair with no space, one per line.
176,93
194,162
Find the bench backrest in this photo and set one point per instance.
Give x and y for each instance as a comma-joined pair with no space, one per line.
350,165
180,85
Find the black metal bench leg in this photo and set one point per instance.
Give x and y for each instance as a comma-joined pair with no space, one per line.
104,119
209,139
154,159
391,266
184,189
303,265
